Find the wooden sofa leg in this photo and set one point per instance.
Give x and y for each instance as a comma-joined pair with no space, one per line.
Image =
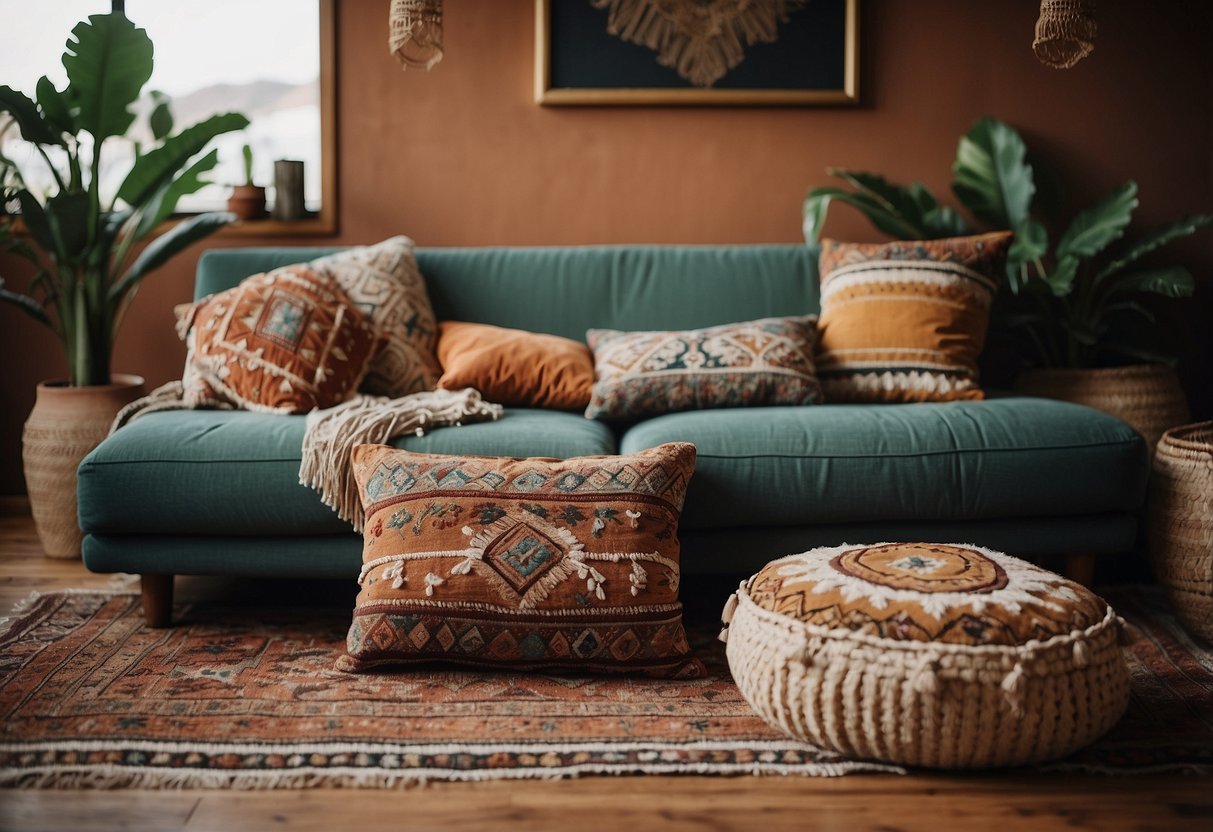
1080,568
157,600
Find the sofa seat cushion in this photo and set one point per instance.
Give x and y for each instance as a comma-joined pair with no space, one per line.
938,461
237,473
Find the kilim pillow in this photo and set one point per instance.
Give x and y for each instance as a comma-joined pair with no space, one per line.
384,282
764,362
522,563
906,321
286,341
514,367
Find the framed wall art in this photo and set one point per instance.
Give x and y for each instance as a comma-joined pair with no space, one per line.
696,52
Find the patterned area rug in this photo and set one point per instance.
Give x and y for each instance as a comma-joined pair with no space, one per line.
247,698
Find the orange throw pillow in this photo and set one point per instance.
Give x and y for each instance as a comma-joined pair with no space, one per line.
906,321
514,367
287,341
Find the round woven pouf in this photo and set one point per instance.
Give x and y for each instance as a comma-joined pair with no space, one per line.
926,654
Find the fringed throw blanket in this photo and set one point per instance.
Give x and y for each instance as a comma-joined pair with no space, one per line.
332,434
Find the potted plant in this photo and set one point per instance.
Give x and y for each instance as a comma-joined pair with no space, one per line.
83,242
1068,310
248,200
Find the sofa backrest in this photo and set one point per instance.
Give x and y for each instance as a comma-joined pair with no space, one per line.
567,290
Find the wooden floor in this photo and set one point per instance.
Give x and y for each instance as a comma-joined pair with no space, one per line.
879,802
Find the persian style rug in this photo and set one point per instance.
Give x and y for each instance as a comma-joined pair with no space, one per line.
247,697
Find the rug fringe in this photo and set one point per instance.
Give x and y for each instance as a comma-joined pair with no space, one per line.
118,777
24,606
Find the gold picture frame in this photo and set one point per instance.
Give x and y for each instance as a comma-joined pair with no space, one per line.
554,89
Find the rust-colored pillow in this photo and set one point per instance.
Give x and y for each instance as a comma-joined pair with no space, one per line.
906,321
522,563
514,367
286,341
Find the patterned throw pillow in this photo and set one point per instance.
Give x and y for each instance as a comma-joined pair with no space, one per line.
514,367
764,362
286,341
522,563
906,321
384,282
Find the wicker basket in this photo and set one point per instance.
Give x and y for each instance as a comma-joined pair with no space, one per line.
1147,396
1181,523
925,703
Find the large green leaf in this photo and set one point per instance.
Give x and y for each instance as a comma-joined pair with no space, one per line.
909,203
943,221
990,177
35,220
1155,240
877,212
25,112
1098,226
107,65
157,167
163,248
162,204
1170,282
55,107
67,215
27,304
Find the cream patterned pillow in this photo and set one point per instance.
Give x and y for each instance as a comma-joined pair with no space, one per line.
764,362
384,282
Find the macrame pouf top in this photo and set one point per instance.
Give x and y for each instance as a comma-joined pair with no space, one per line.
927,654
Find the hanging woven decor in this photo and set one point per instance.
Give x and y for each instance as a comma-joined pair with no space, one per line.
701,40
1065,32
416,32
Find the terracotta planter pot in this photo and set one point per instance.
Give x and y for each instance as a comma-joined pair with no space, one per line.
247,202
1147,396
65,424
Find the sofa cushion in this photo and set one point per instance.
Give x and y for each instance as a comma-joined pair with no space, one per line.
846,463
233,472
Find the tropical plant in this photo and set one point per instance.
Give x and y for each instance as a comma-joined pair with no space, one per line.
1068,305
88,268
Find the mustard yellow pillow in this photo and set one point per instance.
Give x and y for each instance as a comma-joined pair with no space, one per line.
906,321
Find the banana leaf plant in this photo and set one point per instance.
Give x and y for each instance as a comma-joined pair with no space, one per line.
85,245
1067,305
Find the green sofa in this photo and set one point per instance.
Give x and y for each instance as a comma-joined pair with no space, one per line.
218,493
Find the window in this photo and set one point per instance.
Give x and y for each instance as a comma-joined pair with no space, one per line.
272,60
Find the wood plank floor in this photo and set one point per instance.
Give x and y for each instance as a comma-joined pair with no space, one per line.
857,802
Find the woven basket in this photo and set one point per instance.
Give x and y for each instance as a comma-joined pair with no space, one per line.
1181,524
1146,396
933,704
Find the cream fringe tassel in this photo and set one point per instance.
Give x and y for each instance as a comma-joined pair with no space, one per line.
333,433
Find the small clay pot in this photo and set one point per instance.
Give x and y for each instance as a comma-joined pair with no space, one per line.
247,202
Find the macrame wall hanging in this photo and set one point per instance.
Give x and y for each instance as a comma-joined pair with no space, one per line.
416,32
701,40
1065,32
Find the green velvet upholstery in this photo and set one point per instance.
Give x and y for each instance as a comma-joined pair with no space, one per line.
565,291
954,461
237,473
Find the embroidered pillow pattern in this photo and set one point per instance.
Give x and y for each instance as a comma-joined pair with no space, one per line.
285,341
763,362
384,282
522,563
906,321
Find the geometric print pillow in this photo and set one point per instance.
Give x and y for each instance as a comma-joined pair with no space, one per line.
763,362
906,321
384,282
286,341
522,564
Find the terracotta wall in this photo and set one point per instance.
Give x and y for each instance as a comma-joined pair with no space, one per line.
461,155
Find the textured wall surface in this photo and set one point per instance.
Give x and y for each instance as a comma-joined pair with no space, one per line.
462,155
